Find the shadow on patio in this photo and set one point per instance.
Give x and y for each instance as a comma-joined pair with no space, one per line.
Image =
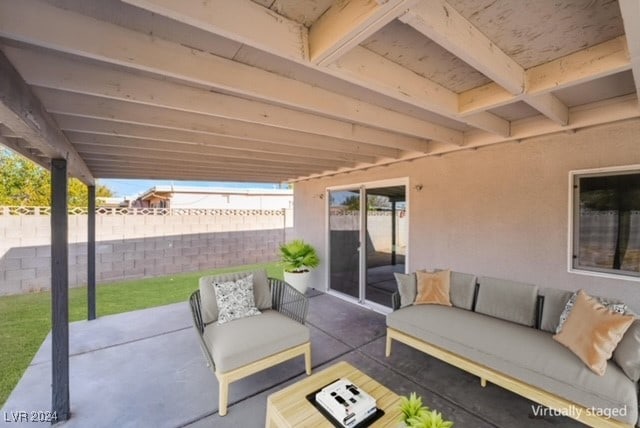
145,368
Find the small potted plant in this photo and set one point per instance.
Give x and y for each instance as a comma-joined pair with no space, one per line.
298,258
415,415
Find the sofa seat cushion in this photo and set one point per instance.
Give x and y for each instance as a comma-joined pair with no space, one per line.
527,354
243,341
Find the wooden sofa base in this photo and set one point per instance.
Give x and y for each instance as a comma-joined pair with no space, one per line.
514,385
224,379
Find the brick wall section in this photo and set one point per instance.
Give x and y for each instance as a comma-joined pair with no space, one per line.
137,246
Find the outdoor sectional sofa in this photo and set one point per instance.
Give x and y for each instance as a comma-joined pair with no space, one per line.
501,331
244,346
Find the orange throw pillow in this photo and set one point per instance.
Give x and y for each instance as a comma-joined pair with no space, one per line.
592,332
433,288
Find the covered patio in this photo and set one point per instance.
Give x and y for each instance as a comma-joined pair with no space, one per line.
145,368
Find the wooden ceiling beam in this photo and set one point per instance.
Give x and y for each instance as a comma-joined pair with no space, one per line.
439,21
384,76
87,78
443,24
154,174
176,149
95,126
28,21
336,33
23,113
347,23
589,64
630,10
59,102
94,158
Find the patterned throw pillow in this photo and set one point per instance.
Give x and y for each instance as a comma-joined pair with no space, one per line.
235,299
613,306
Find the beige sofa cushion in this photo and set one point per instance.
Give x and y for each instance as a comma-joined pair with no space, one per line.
521,352
246,340
508,300
627,353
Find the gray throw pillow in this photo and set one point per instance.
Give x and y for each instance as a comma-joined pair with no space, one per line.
555,301
627,353
406,288
235,299
462,289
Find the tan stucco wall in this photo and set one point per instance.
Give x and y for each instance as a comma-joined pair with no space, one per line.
498,211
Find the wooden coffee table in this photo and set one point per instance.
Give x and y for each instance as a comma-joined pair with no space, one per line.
290,408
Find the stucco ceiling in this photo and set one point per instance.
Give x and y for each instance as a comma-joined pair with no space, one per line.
277,90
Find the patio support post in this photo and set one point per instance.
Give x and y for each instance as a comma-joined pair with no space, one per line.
91,253
393,233
59,291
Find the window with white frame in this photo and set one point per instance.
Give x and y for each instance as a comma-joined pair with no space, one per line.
606,222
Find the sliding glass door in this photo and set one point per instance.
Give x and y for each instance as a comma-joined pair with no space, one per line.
368,231
386,241
344,241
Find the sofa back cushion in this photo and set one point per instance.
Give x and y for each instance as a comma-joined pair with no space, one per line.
627,353
508,300
555,301
462,290
208,305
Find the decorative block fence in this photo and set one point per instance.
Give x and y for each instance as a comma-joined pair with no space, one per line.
136,243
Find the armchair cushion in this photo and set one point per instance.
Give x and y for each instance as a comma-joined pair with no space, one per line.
251,339
209,307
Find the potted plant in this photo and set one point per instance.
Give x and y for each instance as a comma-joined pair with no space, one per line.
415,415
298,258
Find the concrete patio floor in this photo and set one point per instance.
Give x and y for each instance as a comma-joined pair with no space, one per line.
145,369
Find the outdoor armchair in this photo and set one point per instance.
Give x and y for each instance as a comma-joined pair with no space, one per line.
242,347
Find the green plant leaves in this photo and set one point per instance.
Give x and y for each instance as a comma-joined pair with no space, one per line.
415,415
298,256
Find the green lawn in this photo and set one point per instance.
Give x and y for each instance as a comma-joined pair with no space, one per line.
25,320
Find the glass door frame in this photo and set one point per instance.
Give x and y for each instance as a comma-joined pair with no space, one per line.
362,274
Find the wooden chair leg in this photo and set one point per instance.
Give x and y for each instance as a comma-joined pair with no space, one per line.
387,350
223,395
307,359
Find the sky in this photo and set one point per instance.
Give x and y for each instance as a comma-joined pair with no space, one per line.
122,188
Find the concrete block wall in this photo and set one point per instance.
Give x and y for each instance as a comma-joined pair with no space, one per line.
137,246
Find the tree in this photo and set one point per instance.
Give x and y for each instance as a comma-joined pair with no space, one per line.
24,183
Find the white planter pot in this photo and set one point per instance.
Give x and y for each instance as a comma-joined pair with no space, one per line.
299,281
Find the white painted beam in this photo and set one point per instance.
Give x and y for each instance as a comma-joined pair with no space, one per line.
386,77
550,106
178,149
440,22
599,113
59,102
336,33
29,21
87,78
349,22
620,108
241,20
23,113
630,10
96,126
589,64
